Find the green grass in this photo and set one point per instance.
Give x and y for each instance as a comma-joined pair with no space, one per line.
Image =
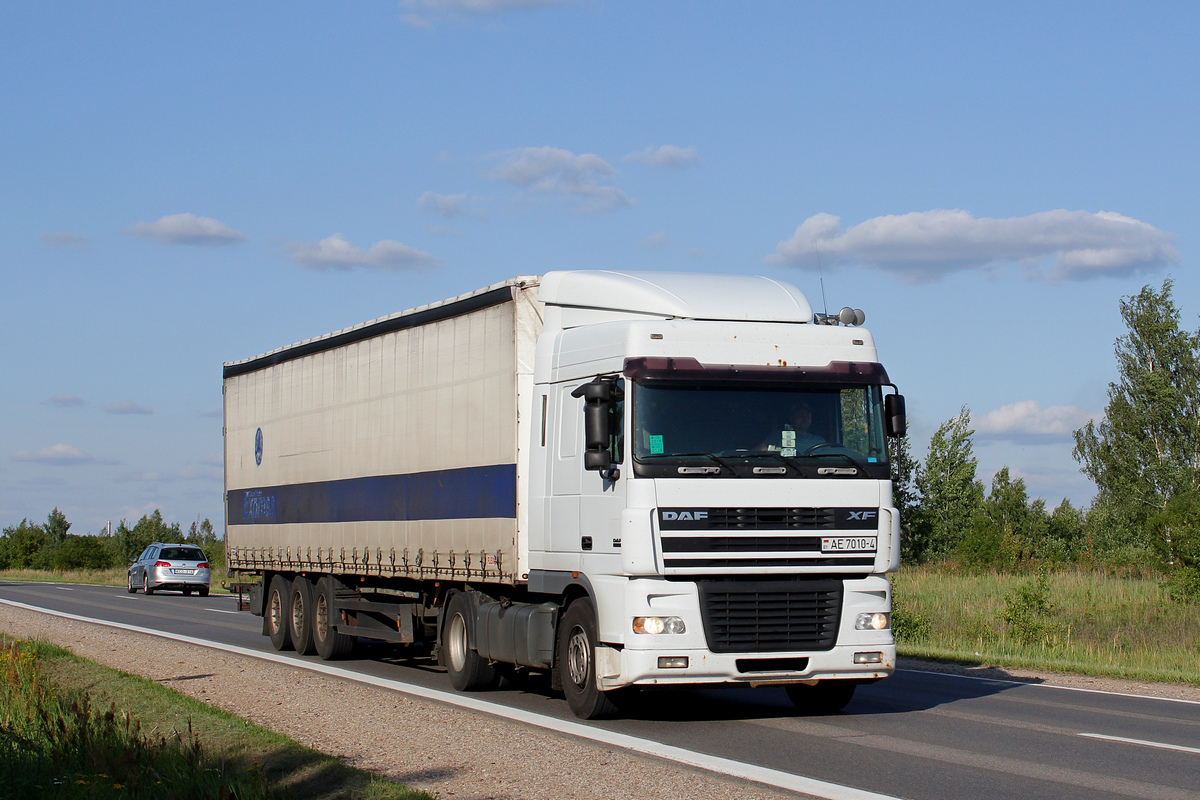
70,728
115,576
1076,621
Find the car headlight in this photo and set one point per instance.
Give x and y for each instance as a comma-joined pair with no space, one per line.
657,625
874,621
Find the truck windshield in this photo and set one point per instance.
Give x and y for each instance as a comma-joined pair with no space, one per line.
802,423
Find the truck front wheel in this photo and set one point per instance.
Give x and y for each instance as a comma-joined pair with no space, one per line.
468,671
826,697
576,663
275,619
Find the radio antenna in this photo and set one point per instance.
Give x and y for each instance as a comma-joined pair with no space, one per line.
821,271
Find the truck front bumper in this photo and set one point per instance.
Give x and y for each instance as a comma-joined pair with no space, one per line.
618,668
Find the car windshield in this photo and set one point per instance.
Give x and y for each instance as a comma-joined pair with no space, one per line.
797,422
181,554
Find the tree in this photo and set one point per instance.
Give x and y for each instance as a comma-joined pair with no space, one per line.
21,545
951,495
56,527
1146,450
904,489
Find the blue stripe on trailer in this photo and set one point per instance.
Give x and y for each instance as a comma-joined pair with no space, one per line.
469,493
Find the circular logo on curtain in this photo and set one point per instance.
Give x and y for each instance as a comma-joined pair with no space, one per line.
258,447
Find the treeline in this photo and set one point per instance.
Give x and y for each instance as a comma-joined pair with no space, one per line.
1144,458
51,546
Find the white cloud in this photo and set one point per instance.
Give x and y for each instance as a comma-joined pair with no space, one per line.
73,241
553,171
1027,422
444,205
59,455
337,253
422,13
127,407
187,229
655,240
65,401
666,156
924,246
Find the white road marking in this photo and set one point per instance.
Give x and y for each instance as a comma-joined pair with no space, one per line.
1051,686
1160,745
222,611
691,758
64,588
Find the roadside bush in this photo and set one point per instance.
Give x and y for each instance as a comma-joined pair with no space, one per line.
82,552
1027,610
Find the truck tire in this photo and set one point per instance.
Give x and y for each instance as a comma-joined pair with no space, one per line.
328,642
275,618
576,663
299,616
826,697
468,671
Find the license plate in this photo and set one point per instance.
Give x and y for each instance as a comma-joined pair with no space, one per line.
848,544
184,571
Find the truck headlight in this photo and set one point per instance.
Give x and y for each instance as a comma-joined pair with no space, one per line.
657,625
875,621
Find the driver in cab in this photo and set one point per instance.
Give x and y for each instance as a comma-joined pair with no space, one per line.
794,436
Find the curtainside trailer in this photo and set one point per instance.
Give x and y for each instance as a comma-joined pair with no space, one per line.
622,479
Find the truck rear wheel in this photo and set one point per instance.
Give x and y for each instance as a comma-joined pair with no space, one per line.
468,671
300,616
826,697
275,618
576,663
328,642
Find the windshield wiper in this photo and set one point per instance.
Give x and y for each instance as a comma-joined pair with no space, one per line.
775,454
835,453
717,459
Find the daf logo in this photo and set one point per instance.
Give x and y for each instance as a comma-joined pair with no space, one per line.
692,515
862,515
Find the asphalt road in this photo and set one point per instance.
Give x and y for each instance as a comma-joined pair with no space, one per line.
919,736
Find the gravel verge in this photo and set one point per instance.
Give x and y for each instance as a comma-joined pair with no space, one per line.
444,750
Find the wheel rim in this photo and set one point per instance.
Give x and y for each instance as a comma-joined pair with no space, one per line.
297,614
145,582
456,639
276,612
577,657
321,619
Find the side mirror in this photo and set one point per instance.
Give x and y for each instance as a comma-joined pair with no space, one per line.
598,398
894,418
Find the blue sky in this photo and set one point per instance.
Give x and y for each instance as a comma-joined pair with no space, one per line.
184,185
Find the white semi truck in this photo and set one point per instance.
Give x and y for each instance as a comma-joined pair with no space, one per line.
624,479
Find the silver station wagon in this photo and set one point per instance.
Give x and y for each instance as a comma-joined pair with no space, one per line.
182,567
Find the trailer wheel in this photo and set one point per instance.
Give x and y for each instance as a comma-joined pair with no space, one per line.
275,619
576,663
468,671
328,642
299,617
826,697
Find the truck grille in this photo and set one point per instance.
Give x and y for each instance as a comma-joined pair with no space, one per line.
803,519
771,616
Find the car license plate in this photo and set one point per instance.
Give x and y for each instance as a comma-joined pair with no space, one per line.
184,571
848,544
